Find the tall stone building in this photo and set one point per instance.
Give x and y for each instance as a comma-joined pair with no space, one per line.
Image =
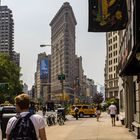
111,63
6,30
7,34
63,48
91,90
43,78
16,58
79,73
129,67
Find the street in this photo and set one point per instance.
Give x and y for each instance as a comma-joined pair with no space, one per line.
89,129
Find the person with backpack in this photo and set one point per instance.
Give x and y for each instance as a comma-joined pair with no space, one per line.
25,126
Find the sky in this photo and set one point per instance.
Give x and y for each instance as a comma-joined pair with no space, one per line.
31,29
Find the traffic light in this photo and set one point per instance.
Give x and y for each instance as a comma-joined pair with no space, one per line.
61,77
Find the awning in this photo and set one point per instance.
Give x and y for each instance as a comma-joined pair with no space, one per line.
132,66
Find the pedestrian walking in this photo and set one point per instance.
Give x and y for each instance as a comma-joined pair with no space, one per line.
98,111
76,110
112,111
44,109
32,109
26,125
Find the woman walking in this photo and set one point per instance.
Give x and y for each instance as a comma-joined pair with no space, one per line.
98,111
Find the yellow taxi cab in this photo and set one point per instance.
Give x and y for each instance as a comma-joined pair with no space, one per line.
83,110
6,103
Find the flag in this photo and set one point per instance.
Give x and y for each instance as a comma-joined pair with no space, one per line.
107,15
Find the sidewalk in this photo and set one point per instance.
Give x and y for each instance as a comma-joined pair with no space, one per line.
89,129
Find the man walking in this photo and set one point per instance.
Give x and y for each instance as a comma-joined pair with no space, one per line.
26,125
112,112
98,112
76,110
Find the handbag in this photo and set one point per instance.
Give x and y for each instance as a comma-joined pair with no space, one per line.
117,118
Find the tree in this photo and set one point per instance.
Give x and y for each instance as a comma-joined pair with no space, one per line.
110,100
98,98
10,84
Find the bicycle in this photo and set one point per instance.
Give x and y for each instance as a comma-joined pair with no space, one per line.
60,119
50,119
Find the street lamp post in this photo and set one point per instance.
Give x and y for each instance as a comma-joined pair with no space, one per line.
61,76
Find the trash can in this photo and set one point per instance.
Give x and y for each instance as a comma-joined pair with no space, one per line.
62,111
5,114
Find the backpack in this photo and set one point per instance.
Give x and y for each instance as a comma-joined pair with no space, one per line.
23,129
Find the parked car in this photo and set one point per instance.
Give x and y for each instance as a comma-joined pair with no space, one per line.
6,103
83,110
6,112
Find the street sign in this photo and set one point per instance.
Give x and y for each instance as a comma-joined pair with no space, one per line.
61,77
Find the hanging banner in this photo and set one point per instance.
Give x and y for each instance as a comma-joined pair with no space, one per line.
107,15
44,69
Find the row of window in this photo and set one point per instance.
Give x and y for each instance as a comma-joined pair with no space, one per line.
4,18
112,94
4,25
4,22
110,41
115,53
4,39
112,33
110,55
114,47
4,28
4,12
111,76
4,44
113,83
4,36
115,61
111,68
4,48
4,32
114,38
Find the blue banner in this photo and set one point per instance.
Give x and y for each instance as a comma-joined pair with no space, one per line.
44,69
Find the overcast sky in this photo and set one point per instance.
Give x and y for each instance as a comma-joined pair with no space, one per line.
32,18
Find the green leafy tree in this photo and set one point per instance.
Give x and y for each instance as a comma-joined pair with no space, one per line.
98,98
10,84
109,101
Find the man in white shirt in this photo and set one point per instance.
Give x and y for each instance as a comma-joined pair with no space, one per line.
22,106
112,112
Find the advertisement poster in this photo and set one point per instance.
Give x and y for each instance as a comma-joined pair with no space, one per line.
44,69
